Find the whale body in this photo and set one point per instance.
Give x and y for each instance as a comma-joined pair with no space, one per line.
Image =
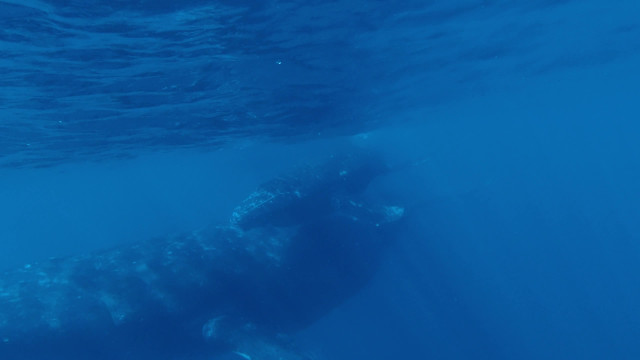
293,250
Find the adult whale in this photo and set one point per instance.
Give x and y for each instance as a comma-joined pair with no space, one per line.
294,249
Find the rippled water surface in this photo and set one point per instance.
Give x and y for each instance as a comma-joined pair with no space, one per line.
100,79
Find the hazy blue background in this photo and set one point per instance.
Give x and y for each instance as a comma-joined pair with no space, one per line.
122,120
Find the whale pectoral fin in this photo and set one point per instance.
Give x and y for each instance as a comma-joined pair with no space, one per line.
270,349
242,355
231,338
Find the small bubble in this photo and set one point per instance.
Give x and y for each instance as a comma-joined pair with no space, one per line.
278,62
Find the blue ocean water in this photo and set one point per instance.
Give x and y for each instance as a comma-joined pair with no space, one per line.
512,124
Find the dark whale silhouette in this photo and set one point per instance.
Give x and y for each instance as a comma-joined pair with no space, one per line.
293,250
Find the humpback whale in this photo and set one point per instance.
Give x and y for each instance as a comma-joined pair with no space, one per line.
294,249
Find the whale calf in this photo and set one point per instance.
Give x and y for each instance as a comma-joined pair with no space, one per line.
293,250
